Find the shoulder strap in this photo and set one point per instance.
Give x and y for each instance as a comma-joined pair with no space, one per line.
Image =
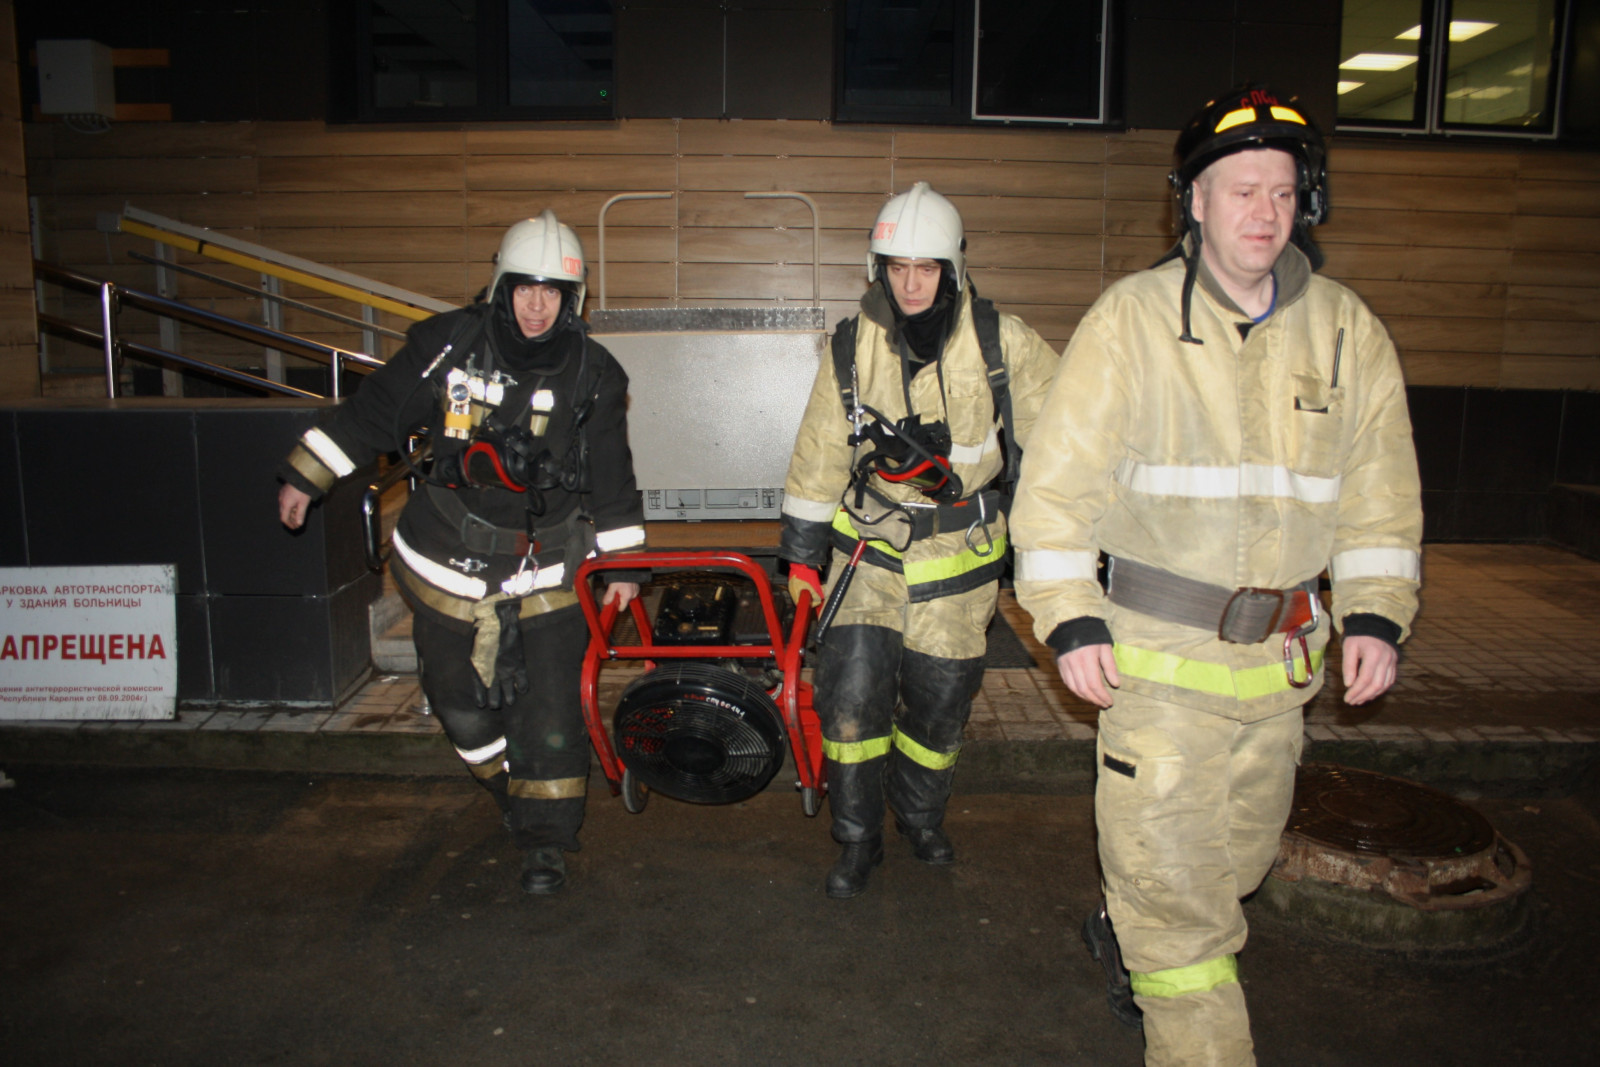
844,362
986,321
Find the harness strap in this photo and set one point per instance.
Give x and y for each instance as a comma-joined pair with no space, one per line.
1244,616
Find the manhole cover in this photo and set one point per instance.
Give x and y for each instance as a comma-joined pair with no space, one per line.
1383,861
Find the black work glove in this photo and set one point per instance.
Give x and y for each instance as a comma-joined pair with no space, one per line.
510,668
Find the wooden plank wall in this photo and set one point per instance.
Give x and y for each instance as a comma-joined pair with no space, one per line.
19,358
1485,262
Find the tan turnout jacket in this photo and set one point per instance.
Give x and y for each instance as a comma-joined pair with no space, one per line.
1239,462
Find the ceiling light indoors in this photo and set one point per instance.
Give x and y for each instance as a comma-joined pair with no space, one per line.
1377,61
1460,30
1349,87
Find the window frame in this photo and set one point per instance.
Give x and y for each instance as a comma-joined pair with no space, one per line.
1428,110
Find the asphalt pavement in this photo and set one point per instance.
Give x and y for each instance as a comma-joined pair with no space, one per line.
183,917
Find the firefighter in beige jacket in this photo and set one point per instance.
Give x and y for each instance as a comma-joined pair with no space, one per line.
1225,426
905,442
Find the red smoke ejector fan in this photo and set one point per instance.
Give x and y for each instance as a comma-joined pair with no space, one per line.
697,725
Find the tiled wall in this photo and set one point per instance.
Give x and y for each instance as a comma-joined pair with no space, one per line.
1509,465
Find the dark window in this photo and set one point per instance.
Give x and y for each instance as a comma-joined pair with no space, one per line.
417,60
973,61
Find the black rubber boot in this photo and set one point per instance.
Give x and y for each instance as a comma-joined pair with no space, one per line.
929,845
938,701
544,871
848,878
1102,942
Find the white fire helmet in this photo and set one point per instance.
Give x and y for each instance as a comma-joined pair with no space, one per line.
546,250
919,224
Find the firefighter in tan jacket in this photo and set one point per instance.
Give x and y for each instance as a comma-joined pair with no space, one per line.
901,461
1225,426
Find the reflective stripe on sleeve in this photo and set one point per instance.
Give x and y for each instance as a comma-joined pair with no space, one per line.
917,752
809,510
1376,563
442,577
1223,483
331,455
617,540
1051,565
855,751
974,453
1202,676
1180,981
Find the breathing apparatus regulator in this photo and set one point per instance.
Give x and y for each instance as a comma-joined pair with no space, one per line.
1247,118
483,406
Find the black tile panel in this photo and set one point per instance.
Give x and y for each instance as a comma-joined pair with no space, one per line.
109,485
1510,439
13,530
280,649
1436,425
247,550
1578,460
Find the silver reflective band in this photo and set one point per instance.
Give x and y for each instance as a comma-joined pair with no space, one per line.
1050,565
973,453
1376,563
1224,483
484,754
619,539
809,510
332,456
436,575
524,582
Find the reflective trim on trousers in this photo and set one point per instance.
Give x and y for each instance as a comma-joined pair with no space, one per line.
1164,668
855,751
484,753
548,789
1180,981
920,753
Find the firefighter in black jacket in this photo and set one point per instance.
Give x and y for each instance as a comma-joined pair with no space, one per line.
531,473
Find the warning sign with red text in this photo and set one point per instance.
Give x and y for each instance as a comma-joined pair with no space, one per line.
88,642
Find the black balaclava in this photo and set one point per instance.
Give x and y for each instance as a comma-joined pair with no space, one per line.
924,332
528,352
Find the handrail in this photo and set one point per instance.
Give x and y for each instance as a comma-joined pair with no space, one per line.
112,296
74,332
601,251
277,298
816,236
372,505
256,257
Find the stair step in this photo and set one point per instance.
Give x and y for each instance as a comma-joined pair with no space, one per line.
392,649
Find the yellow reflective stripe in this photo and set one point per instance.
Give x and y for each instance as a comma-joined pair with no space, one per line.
938,570
1235,118
855,751
841,522
548,789
918,753
1287,114
1180,981
1164,668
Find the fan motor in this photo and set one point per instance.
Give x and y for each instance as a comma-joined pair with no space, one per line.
699,732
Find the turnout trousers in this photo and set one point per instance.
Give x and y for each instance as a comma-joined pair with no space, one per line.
1190,807
532,754
893,692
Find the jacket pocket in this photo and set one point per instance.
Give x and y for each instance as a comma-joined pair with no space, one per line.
1318,421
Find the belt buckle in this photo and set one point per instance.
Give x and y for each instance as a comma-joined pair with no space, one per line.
1248,596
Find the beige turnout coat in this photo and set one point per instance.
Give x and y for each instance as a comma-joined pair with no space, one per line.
1243,461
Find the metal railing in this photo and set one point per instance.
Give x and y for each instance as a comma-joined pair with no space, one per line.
113,348
113,297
